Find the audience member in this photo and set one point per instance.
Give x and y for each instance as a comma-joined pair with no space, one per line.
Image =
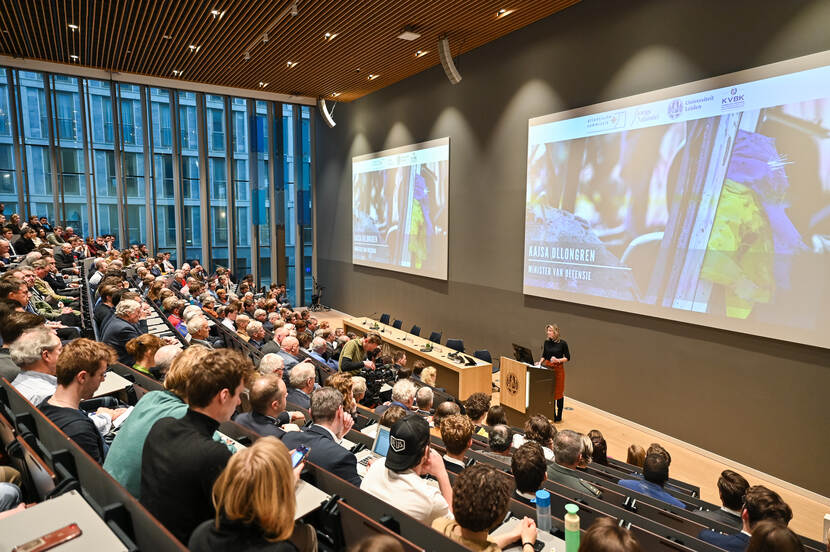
256,333
164,359
301,381
496,415
254,500
567,448
529,469
330,423
199,331
636,456
396,479
772,536
500,439
731,488
599,453
446,408
271,363
290,352
143,349
429,376
605,535
423,401
354,355
105,309
123,460
36,353
81,368
587,454
481,496
268,412
457,434
13,323
760,504
403,395
476,407
538,428
655,475
319,352
176,480
273,346
121,328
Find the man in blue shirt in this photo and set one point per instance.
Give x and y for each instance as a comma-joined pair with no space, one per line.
317,352
655,475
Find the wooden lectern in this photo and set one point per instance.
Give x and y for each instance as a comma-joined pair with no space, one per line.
526,390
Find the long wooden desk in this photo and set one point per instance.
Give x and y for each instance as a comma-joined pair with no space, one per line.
458,380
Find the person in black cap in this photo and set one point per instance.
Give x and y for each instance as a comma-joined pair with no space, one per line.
396,479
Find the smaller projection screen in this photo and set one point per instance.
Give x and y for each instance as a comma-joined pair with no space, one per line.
707,203
400,209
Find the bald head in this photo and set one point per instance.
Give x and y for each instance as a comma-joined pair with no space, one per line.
268,395
291,345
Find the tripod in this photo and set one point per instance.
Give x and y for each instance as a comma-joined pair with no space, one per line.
316,304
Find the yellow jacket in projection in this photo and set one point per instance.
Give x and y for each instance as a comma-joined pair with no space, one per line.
740,253
417,235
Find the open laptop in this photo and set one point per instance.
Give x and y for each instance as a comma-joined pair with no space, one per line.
380,446
522,354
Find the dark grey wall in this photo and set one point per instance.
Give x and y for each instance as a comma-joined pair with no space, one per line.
758,401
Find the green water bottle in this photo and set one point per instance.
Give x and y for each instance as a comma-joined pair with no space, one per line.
571,528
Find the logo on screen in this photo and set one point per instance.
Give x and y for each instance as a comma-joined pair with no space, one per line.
512,384
675,108
732,101
398,445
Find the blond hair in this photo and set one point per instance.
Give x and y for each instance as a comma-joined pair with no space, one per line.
428,375
182,369
342,381
257,487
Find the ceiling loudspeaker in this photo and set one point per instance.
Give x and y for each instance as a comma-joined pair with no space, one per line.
446,60
324,113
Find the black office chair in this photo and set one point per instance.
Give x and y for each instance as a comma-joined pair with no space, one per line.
397,324
456,344
484,354
416,330
384,318
435,337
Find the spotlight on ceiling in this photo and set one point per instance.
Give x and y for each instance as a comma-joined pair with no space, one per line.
247,56
324,113
294,10
421,53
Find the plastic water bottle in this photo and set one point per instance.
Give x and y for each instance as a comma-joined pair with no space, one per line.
571,528
543,510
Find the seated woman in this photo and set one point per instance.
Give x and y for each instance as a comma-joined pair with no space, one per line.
254,500
342,381
429,375
480,498
496,416
143,349
172,307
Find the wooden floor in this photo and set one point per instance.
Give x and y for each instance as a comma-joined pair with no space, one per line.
689,464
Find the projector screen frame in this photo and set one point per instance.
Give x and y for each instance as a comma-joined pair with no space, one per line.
813,338
429,144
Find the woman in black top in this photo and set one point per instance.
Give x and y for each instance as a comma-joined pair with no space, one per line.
555,354
254,500
25,244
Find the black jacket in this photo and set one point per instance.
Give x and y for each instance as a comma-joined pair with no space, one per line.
570,478
234,536
721,516
64,260
262,424
179,464
325,452
117,333
24,246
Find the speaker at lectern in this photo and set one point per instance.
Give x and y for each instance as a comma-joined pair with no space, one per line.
526,390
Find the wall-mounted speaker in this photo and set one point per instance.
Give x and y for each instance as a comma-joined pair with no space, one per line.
446,60
324,113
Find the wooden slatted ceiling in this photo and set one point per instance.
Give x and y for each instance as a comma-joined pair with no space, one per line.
128,36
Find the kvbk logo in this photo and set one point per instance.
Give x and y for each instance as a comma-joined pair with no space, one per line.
732,98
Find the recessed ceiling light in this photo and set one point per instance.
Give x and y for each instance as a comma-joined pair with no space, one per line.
217,13
291,64
73,26
194,48
329,36
335,94
262,84
421,53
372,77
73,57
409,33
503,13
167,37
177,73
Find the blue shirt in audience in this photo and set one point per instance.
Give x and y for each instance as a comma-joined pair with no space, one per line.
650,489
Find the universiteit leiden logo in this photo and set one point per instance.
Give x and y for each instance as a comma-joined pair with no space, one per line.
675,108
512,384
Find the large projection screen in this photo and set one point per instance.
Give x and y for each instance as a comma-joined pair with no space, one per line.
400,210
706,203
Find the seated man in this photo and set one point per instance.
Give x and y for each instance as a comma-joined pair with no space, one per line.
13,323
290,352
731,487
199,331
423,400
446,408
500,439
457,434
36,353
760,504
41,269
268,412
319,352
180,460
274,346
301,380
80,370
256,333
353,358
330,424
655,475
121,328
403,395
272,363
65,260
476,407
481,496
105,309
567,451
396,479
529,469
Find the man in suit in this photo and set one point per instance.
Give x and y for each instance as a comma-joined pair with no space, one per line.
330,424
64,259
760,504
655,475
423,401
529,469
731,487
274,345
268,411
199,331
403,395
301,379
567,452
122,327
457,434
290,352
